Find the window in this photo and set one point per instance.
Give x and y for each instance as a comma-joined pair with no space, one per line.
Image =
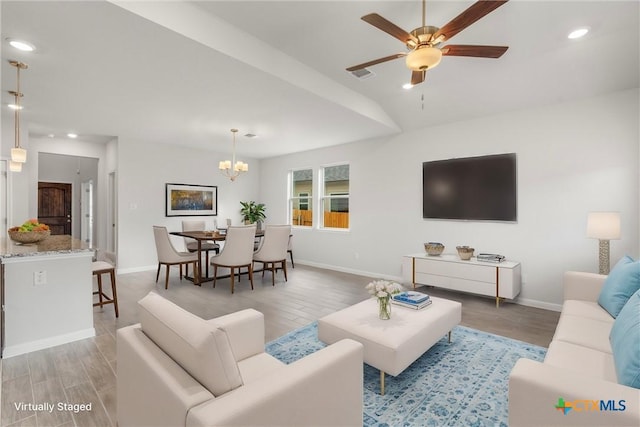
304,201
300,197
335,196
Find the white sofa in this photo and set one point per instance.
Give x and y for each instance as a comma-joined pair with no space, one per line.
579,366
177,369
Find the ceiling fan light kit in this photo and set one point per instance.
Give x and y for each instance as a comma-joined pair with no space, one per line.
422,43
423,58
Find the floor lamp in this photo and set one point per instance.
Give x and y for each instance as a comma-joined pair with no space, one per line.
603,226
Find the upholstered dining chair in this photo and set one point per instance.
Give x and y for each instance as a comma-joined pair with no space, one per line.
192,245
168,255
290,250
274,250
237,252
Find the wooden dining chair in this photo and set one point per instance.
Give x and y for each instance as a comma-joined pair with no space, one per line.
274,250
237,252
168,255
105,264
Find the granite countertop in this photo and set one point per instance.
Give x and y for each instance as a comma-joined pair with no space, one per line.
50,245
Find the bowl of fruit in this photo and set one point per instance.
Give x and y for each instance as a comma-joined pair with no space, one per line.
31,231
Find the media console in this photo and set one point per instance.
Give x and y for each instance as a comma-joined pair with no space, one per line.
500,280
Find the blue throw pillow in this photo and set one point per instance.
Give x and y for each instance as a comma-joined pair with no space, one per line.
625,343
622,282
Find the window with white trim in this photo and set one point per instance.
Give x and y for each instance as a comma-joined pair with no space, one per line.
301,197
334,199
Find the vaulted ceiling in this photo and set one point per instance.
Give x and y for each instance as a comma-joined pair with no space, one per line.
186,72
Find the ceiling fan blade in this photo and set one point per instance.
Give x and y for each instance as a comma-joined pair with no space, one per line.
474,50
376,61
417,77
466,18
388,27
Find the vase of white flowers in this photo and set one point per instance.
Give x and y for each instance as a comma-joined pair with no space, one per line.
383,290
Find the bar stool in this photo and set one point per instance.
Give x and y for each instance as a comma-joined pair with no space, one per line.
99,268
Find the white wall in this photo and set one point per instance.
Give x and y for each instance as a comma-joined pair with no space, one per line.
573,158
144,169
68,147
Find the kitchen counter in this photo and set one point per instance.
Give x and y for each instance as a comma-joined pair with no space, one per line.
50,245
47,293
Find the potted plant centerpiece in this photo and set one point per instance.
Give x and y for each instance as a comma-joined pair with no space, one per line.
253,212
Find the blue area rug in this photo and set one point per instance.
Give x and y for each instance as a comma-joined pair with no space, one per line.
462,383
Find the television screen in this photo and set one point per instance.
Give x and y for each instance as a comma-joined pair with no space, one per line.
471,188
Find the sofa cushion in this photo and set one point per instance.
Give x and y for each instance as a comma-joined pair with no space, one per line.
255,367
622,282
625,342
584,331
576,358
586,309
199,347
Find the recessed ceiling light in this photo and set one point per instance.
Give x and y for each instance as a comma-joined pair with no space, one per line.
250,135
22,45
51,135
15,107
407,86
72,135
577,33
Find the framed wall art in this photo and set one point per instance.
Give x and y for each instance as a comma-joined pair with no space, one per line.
191,200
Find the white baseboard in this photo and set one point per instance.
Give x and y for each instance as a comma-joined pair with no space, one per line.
522,301
538,304
350,270
16,350
136,269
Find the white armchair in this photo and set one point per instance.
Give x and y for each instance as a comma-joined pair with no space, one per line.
176,369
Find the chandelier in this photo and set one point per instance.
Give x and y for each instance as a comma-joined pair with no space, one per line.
18,154
226,166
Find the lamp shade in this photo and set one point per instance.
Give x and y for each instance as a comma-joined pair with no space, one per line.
15,166
423,58
19,155
603,225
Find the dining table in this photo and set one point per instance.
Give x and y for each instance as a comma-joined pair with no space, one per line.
206,236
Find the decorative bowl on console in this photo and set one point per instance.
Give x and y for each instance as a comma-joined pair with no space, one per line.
465,252
433,248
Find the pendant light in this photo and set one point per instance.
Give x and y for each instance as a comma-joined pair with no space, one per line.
18,154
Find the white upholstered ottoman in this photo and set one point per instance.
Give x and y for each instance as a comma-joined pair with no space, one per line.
391,345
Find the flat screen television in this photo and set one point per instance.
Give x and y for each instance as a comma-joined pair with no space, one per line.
472,188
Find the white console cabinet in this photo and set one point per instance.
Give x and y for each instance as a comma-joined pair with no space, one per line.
500,280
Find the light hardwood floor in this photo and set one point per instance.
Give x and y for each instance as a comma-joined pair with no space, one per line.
85,371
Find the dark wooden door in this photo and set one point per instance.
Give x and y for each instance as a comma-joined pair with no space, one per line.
54,206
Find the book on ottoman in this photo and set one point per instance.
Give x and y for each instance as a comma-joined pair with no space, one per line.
411,297
422,305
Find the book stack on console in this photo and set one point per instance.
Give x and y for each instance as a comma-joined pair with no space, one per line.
490,257
412,299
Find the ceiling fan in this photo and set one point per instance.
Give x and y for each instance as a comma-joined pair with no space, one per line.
424,53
